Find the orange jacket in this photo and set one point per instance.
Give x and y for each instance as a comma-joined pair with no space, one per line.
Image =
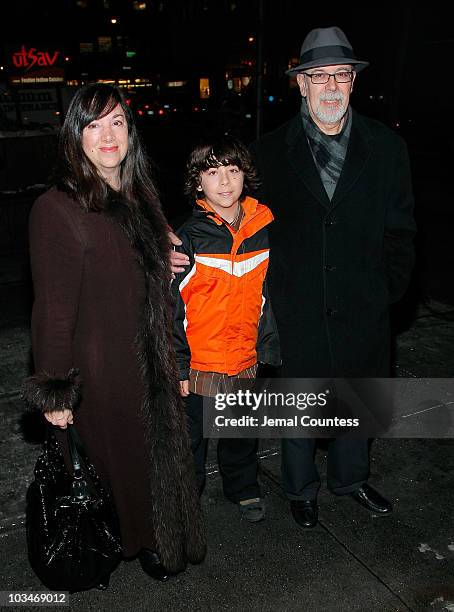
223,318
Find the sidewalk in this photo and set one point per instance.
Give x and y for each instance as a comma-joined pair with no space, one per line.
350,561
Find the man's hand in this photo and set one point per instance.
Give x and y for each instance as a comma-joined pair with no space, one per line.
60,418
184,388
177,260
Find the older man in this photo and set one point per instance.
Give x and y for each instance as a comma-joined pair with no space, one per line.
341,251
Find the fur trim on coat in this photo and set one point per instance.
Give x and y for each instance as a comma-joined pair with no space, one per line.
175,512
47,393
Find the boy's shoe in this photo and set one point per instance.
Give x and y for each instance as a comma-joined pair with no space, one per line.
253,510
305,512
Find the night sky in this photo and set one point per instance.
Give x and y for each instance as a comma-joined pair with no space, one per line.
386,35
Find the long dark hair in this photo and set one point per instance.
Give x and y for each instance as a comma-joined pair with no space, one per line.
221,151
78,176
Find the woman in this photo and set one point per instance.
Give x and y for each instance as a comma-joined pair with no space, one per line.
101,329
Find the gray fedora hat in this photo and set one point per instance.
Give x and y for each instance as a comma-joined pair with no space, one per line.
326,47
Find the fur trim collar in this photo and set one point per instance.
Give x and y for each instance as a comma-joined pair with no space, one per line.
176,513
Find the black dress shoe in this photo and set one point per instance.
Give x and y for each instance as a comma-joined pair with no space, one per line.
103,584
151,565
305,512
372,500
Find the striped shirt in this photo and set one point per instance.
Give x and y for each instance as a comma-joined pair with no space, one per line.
209,384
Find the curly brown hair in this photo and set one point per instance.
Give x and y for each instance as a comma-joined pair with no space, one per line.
222,151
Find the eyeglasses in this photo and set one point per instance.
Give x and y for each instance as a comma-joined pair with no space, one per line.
321,78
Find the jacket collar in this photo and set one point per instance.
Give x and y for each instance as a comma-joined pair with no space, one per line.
300,158
256,217
248,204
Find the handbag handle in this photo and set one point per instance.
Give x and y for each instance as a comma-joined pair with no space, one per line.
80,487
73,440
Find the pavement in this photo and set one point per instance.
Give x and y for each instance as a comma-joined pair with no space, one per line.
351,561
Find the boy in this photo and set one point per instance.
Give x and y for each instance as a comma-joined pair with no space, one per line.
223,320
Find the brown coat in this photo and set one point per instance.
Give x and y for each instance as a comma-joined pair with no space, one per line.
101,306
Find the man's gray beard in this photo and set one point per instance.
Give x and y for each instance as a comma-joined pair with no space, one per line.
334,117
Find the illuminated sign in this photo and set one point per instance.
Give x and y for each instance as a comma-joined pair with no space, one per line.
35,65
35,80
32,57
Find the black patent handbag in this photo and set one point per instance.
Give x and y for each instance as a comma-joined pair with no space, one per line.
72,530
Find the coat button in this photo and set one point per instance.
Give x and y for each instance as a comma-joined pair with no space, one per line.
331,312
329,268
329,222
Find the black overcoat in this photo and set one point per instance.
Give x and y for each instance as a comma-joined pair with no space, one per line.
336,265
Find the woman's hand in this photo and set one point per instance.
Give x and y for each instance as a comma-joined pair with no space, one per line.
184,388
177,260
60,418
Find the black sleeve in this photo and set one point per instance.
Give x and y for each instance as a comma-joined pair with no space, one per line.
268,347
183,352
